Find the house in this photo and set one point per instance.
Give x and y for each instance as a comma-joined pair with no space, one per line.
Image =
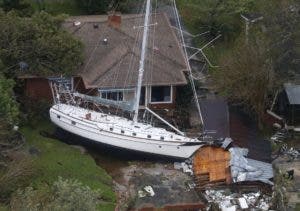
286,107
111,60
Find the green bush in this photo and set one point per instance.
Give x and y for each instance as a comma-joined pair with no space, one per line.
17,175
62,195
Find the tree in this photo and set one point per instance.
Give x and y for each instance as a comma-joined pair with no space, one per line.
37,45
282,23
23,8
216,16
9,111
246,76
8,106
94,6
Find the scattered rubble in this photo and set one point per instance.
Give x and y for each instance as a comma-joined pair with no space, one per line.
213,166
217,165
291,152
245,169
156,184
147,191
235,201
186,166
280,136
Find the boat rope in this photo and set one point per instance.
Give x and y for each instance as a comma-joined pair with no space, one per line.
130,72
188,64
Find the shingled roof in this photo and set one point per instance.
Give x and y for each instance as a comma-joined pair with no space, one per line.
114,64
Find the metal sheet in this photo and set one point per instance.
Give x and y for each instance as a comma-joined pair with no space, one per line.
293,93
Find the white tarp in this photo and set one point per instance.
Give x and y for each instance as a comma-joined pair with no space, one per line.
245,169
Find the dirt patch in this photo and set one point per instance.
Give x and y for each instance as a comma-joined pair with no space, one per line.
170,186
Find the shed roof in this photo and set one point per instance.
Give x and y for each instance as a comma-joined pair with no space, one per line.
293,93
115,64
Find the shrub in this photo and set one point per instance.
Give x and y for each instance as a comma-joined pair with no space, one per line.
17,175
62,195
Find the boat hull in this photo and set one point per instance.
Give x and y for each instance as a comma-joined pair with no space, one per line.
92,132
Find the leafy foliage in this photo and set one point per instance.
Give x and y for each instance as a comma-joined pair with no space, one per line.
282,32
63,195
94,6
20,6
38,43
9,111
16,175
59,159
246,76
8,107
216,16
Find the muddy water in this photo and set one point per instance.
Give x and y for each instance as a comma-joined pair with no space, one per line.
245,133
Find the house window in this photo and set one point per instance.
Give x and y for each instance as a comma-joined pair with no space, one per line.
161,94
112,95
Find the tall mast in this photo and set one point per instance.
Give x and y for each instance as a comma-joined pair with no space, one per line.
142,61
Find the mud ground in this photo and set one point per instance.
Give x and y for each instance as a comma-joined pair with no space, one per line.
170,186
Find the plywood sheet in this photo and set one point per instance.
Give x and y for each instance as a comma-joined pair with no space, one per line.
213,161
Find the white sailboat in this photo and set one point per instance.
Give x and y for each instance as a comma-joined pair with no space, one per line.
123,132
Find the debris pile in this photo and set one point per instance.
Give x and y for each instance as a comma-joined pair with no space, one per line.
186,166
235,201
220,166
146,191
246,169
213,166
280,136
290,152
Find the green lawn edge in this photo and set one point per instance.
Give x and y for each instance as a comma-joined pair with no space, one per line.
55,158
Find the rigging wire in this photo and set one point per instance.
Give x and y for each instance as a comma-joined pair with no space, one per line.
188,63
135,47
150,82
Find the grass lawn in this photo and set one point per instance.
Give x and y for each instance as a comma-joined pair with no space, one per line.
55,159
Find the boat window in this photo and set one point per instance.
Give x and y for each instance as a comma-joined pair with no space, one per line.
111,129
73,123
134,134
112,95
122,131
162,138
58,116
149,136
161,94
137,126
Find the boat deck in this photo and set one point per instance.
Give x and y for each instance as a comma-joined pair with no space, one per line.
120,125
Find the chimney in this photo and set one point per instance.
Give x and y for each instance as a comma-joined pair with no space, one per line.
114,19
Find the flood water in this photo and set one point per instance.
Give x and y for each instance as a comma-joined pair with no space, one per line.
245,133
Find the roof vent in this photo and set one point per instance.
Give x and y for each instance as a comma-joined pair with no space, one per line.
105,41
76,23
96,26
